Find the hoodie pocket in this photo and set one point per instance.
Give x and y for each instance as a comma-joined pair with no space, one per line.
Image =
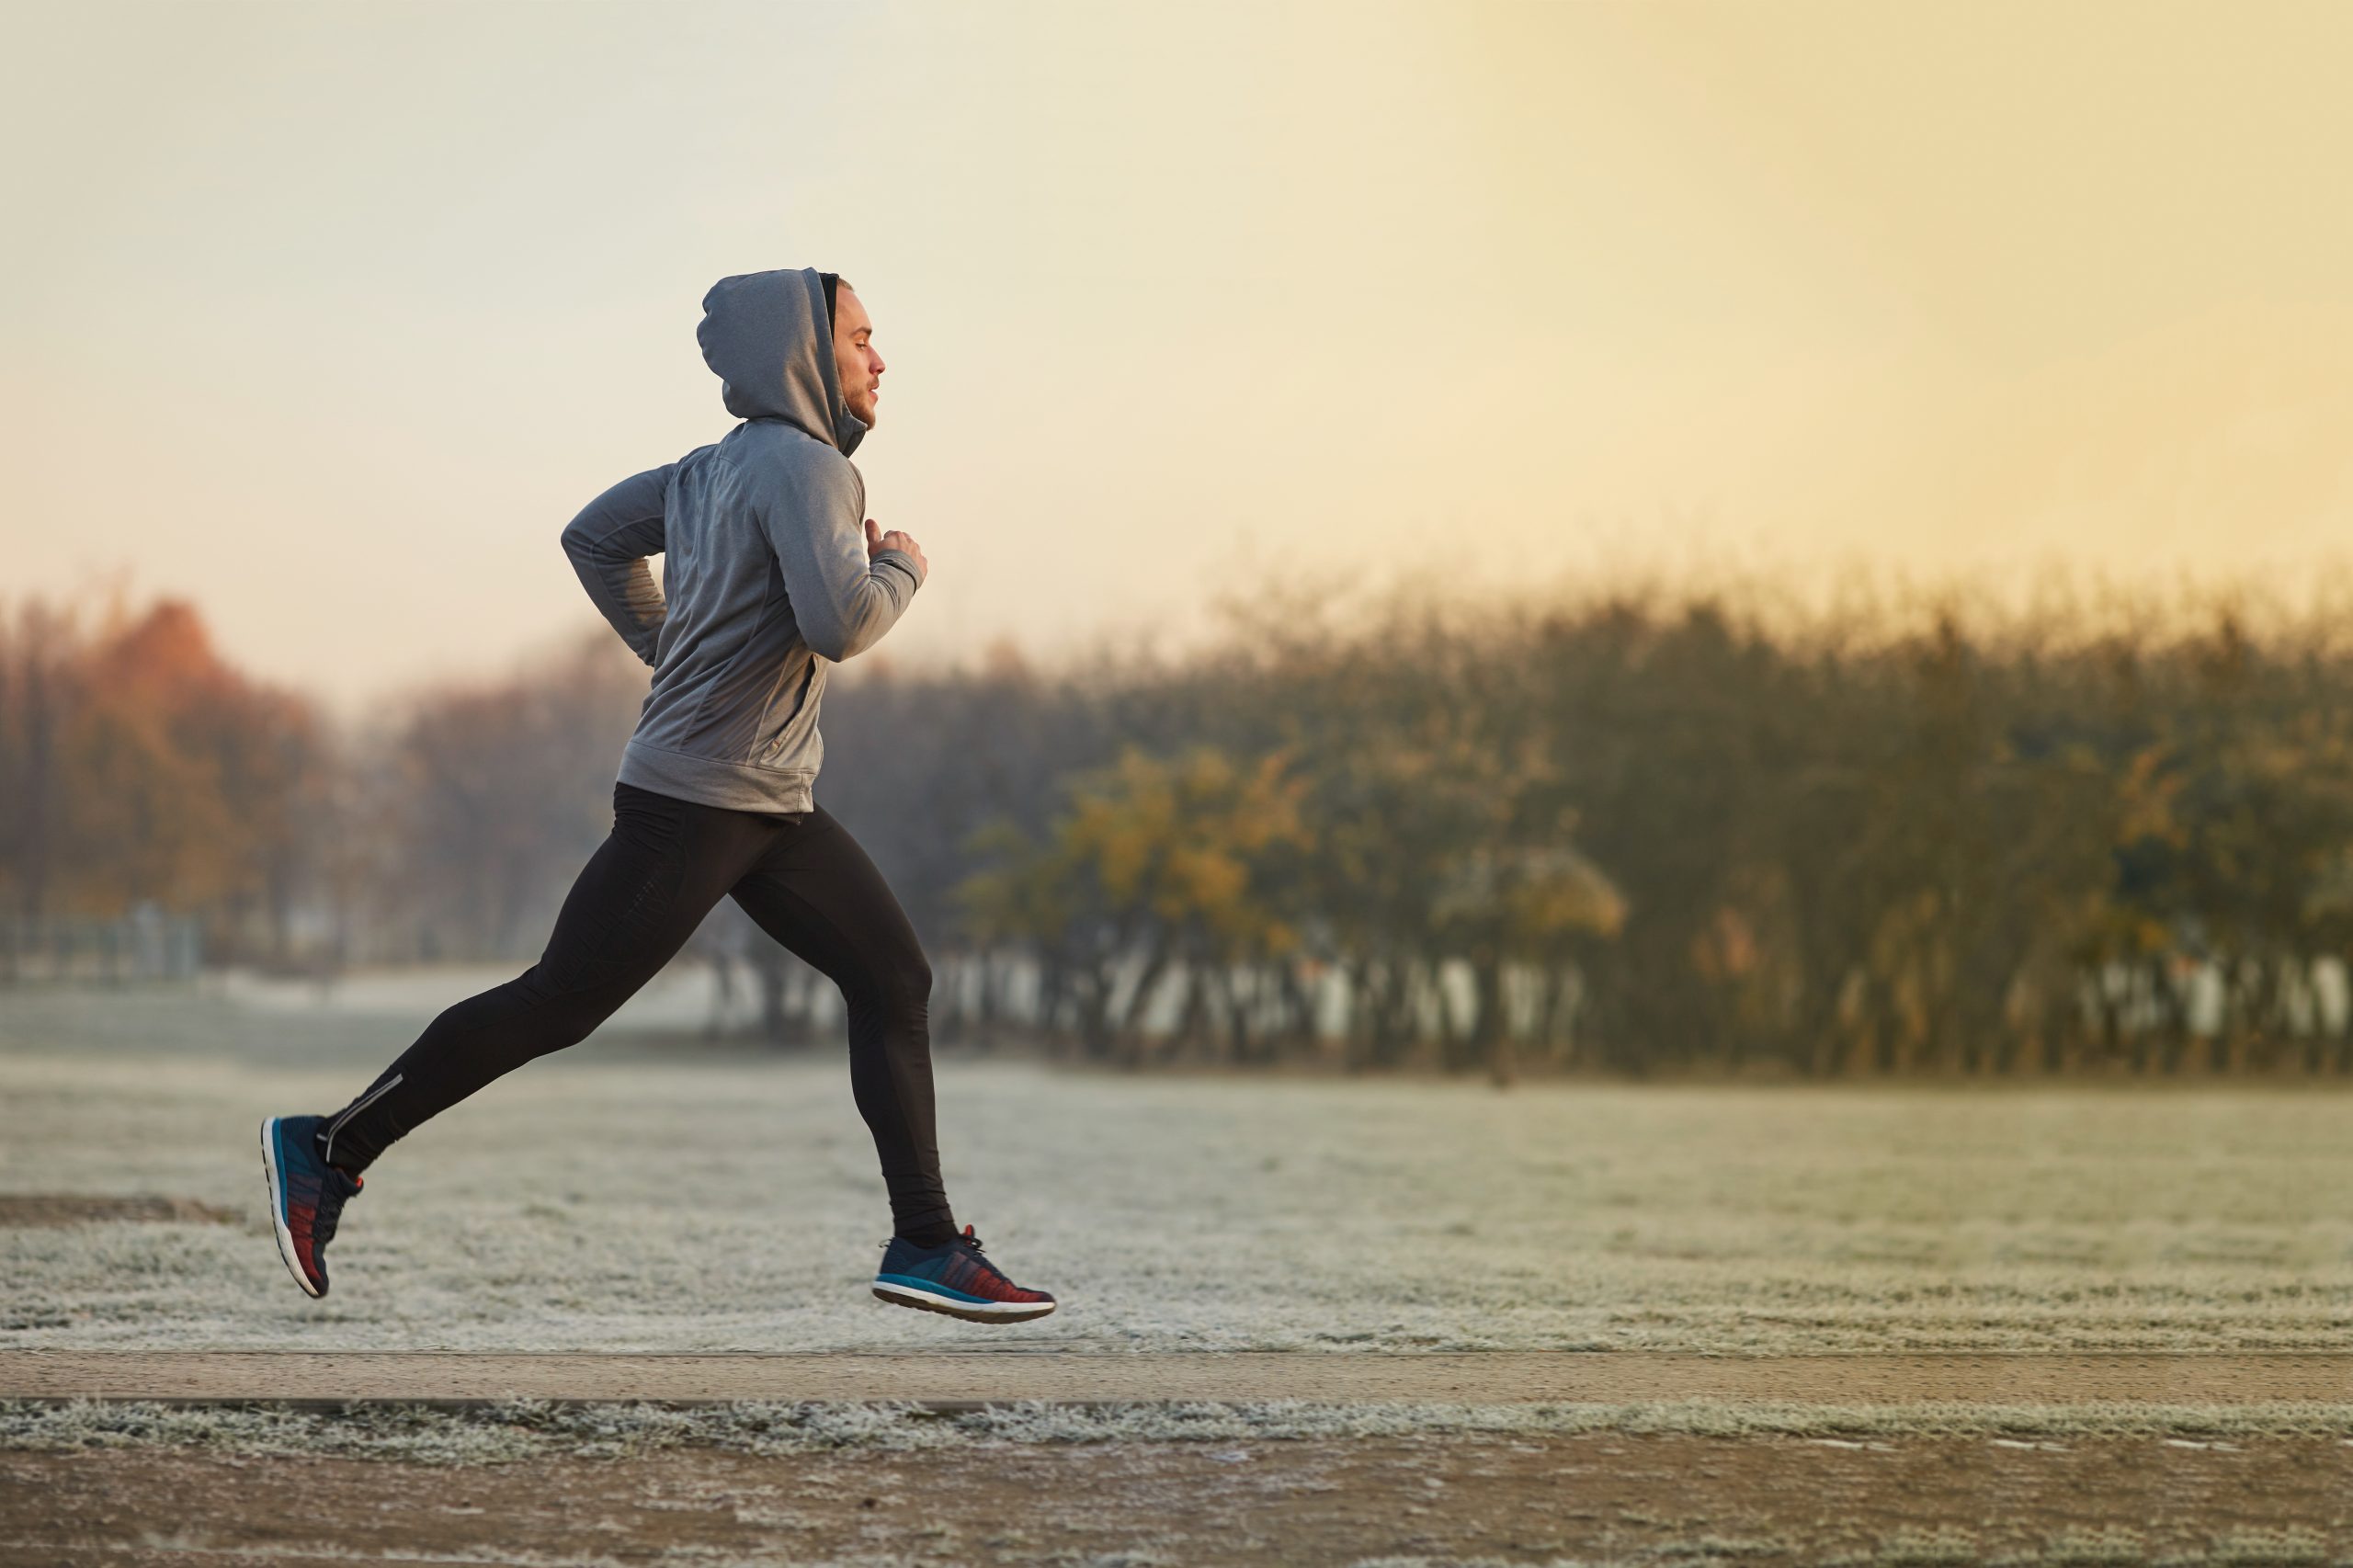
784,728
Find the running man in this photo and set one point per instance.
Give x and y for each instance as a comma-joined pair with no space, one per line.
766,580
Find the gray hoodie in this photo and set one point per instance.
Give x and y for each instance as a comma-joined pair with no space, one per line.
765,575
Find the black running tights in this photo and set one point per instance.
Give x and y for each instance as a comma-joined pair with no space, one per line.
665,864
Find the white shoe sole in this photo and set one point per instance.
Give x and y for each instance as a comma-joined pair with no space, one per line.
972,1312
278,1210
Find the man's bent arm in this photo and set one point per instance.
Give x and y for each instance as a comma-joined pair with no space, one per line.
815,521
608,542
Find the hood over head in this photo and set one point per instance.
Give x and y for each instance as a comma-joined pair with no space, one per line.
768,337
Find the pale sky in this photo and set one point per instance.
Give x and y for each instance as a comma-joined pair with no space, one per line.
329,317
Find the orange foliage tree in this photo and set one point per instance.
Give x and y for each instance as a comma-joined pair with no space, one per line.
137,764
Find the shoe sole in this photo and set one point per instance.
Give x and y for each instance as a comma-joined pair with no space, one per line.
971,1311
277,1208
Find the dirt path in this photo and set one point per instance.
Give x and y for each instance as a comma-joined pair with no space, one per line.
1303,1504
953,1380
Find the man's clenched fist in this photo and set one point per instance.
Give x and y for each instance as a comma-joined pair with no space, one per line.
877,541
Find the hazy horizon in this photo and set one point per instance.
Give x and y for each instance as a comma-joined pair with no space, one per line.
333,318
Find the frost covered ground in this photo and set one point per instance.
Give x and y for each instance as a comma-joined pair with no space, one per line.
630,1195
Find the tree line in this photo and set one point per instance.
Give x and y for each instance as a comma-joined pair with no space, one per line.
1644,832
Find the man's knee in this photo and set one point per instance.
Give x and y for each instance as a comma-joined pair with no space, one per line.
907,982
896,984
568,1013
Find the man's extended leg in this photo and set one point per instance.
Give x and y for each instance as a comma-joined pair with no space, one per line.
817,893
640,896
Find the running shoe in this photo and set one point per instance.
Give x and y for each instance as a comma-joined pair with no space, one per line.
953,1278
306,1195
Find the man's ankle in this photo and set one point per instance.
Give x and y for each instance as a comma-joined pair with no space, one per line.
940,1232
319,1145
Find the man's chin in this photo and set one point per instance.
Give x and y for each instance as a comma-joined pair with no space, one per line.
866,415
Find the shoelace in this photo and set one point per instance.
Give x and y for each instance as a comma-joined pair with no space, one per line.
328,1210
967,1236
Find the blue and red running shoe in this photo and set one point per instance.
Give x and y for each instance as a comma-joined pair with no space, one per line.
953,1278
306,1195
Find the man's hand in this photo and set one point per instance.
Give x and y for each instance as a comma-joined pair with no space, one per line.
877,541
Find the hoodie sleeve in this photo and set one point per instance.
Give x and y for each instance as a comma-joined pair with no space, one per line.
608,542
814,516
